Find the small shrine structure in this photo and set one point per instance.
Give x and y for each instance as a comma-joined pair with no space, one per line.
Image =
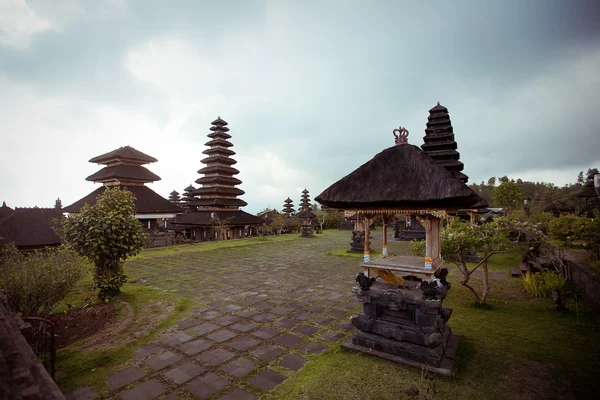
124,168
403,319
214,208
188,195
306,215
175,198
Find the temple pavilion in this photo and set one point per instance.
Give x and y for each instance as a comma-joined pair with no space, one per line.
403,320
214,208
306,214
124,168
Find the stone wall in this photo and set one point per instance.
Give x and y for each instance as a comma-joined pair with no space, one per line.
586,281
160,239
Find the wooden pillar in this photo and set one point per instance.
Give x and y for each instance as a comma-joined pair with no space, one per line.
367,253
384,247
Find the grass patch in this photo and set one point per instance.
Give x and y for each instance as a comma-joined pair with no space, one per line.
350,254
77,368
515,348
209,246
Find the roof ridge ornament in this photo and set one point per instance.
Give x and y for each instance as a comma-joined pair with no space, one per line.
401,135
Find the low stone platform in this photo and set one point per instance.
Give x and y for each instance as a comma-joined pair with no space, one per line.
445,367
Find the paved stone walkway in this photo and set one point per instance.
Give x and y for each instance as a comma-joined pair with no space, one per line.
264,310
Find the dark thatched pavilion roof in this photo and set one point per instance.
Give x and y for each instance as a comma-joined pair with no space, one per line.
31,228
147,201
5,210
402,176
122,171
125,152
204,218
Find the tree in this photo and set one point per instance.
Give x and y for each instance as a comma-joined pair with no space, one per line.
279,222
321,218
220,226
491,181
580,179
508,195
503,179
460,238
106,234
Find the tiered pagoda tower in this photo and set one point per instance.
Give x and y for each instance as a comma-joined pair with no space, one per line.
188,195
214,207
306,214
174,197
288,208
440,144
124,168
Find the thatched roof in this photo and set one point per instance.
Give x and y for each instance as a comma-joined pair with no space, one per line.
402,176
30,228
5,210
126,153
123,171
147,201
306,214
204,218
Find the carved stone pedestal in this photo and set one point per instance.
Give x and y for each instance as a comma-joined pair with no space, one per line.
397,324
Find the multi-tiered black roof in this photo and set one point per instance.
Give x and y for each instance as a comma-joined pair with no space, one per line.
440,144
174,197
188,194
305,207
288,207
124,169
218,189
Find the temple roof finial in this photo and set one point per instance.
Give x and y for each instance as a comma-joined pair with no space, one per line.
401,135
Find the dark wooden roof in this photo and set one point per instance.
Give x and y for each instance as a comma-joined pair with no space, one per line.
218,202
127,153
402,176
219,169
222,180
30,228
123,171
219,122
218,190
147,201
218,142
306,214
5,210
203,218
22,376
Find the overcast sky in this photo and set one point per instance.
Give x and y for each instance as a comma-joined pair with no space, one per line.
311,89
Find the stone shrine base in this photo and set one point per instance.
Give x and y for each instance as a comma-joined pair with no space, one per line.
358,340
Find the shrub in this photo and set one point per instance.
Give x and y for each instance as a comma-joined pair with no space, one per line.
36,282
541,284
567,228
590,234
417,247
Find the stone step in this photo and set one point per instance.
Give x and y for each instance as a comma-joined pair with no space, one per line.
515,272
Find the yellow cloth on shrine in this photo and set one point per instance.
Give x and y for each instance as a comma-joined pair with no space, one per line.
389,276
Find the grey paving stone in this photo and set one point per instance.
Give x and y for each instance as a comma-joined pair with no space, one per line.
346,326
288,340
210,315
332,336
222,335
163,360
195,346
147,390
148,350
306,329
226,320
297,304
336,313
316,309
124,377
353,305
206,386
247,313
328,303
176,338
239,367
184,372
244,344
216,357
286,323
323,320
293,362
267,380
199,310
230,308
278,301
244,326
281,310
313,348
266,317
265,333
302,316
188,323
264,305
171,397
238,394
84,393
267,353
204,328
249,301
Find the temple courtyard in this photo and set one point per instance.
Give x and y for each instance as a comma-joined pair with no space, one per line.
264,318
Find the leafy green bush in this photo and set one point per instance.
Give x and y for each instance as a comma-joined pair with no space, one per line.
541,284
417,247
590,234
36,282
